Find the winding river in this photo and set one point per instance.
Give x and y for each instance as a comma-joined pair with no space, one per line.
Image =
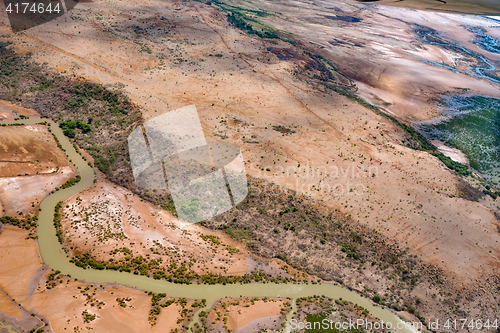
485,69
56,258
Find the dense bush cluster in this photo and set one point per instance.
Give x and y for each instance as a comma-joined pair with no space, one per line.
57,222
71,182
30,222
69,127
173,272
238,22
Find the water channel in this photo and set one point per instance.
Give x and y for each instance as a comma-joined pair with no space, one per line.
54,256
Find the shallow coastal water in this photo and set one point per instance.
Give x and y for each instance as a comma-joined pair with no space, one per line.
471,124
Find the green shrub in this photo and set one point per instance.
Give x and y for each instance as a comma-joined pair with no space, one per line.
69,132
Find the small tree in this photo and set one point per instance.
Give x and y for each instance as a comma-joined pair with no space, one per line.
69,132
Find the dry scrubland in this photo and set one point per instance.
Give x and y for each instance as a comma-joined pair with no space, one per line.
79,307
38,296
289,112
161,69
107,218
119,230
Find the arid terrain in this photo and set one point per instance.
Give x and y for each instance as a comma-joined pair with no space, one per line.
111,224
31,165
11,111
242,315
309,110
74,306
27,289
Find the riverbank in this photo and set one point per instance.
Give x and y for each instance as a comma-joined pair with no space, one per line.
108,306
55,257
73,304
293,112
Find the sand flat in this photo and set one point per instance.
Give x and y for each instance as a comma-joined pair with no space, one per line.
24,193
20,260
455,6
29,150
11,111
8,308
240,312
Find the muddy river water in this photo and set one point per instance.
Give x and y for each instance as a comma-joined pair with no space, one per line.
54,256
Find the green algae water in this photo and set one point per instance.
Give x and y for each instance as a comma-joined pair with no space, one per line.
471,124
54,256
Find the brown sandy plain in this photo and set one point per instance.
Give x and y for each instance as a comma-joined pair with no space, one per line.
65,306
169,55
29,150
249,315
31,166
11,111
411,195
411,198
107,217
